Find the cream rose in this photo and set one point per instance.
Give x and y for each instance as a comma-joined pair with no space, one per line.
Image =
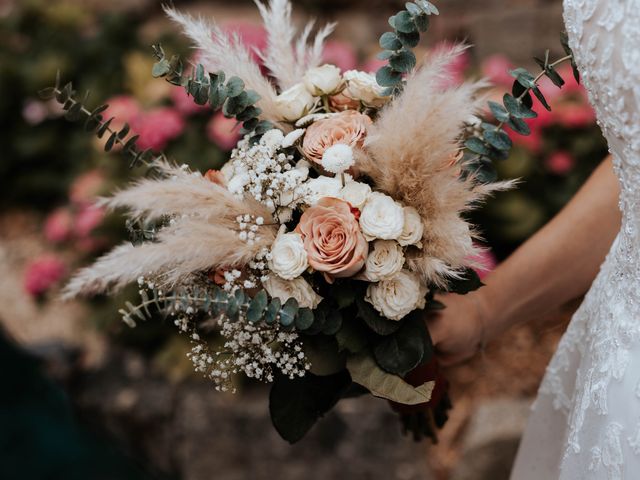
288,256
297,288
294,102
397,296
356,193
322,187
332,239
323,80
364,87
382,217
384,260
413,228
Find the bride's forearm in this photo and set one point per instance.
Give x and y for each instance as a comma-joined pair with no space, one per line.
558,263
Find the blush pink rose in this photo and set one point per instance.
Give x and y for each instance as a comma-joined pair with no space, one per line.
332,239
223,131
42,274
349,128
57,226
158,127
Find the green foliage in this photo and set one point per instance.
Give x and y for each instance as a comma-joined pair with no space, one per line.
210,88
405,349
494,143
376,322
296,405
467,282
407,26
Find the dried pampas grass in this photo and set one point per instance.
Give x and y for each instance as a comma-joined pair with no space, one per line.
286,64
221,51
411,150
203,233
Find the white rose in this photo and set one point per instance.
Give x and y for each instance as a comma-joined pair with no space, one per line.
382,217
323,80
364,87
288,256
321,187
337,158
384,261
294,102
297,288
356,193
413,228
397,296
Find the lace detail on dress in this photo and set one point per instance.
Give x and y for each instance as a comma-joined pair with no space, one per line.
598,346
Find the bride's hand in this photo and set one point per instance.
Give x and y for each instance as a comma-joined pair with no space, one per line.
457,331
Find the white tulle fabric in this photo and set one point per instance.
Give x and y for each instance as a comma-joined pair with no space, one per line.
585,422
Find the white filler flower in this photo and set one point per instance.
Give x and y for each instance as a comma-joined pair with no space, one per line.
288,256
338,158
384,261
323,80
382,217
397,296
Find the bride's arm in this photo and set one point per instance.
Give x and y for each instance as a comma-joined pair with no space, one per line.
556,265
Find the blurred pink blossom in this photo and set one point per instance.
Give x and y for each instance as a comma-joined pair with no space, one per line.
124,109
185,104
223,131
34,111
157,127
340,54
252,35
496,68
58,225
42,273
88,218
86,187
575,115
487,260
560,163
373,65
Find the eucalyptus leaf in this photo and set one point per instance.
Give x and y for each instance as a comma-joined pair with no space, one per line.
403,61
390,41
403,22
257,306
404,350
519,126
304,319
499,112
476,145
288,312
540,96
516,108
387,77
235,86
498,139
409,40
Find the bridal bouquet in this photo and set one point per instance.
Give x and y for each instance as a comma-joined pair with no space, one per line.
314,252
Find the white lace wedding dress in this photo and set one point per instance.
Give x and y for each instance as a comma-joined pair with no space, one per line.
585,422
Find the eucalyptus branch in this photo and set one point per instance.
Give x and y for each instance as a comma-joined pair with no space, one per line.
94,121
493,143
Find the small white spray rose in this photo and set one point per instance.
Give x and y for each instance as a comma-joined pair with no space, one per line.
323,80
384,261
397,296
297,288
294,102
288,256
321,187
413,228
382,217
364,87
356,193
337,158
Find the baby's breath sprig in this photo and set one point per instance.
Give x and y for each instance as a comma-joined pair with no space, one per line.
94,122
492,142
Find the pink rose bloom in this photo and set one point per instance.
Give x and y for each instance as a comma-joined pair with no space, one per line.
158,127
252,35
340,54
57,226
87,220
496,68
42,273
124,109
560,163
332,239
223,131
86,187
487,262
349,128
185,104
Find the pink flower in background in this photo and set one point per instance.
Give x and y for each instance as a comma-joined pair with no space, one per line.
58,225
185,104
223,131
496,68
373,65
560,163
86,187
575,115
42,273
253,36
157,127
124,109
88,218
34,111
487,260
340,54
